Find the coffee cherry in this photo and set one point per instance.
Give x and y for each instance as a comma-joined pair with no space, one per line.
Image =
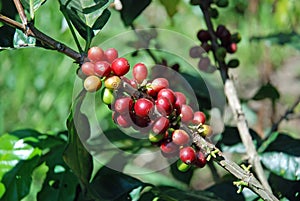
153,137
196,52
107,96
102,68
207,130
141,122
199,118
223,33
169,147
161,125
96,54
233,63
206,47
222,3
167,93
180,99
200,159
203,35
235,38
123,121
120,66
187,155
180,137
204,64
123,105
143,107
111,54
187,114
140,72
87,68
112,82
213,12
159,84
231,48
164,106
92,83
221,53
182,167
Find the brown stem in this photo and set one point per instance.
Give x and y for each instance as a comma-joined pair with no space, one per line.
11,22
21,12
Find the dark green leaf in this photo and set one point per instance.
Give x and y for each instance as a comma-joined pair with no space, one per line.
95,7
76,156
102,20
282,157
267,91
170,6
32,5
17,181
132,9
231,141
227,191
284,188
110,185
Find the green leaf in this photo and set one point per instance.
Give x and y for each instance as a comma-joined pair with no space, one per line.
132,9
32,5
170,6
17,181
282,157
267,91
102,20
109,184
21,40
76,156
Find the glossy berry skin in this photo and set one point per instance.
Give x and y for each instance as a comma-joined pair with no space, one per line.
112,82
102,68
120,66
169,147
154,138
169,94
182,167
159,84
161,125
107,96
140,72
96,54
143,107
123,105
187,155
163,106
111,54
123,121
231,48
200,159
88,68
180,99
199,118
187,114
92,83
180,137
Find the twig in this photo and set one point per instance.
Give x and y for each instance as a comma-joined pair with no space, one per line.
234,102
285,116
21,12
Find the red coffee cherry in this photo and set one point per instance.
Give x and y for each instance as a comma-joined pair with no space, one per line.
143,107
92,83
111,54
203,35
112,82
161,125
88,68
187,155
180,137
123,105
180,99
167,93
231,48
159,84
164,106
200,159
140,72
187,114
120,66
123,121
102,68
96,54
169,147
199,118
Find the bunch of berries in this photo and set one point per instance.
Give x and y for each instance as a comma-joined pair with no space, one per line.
149,107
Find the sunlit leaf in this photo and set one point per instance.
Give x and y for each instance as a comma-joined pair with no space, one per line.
21,40
170,6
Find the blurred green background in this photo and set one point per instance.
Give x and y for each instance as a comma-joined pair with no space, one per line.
36,85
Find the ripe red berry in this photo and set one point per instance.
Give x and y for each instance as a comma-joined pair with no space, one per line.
180,99
180,137
123,121
120,66
187,114
161,125
111,54
123,105
167,93
203,35
140,72
102,68
169,147
143,107
200,159
96,54
164,106
199,118
88,68
92,83
187,155
232,48
159,84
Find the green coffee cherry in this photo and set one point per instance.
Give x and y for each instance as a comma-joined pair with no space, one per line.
222,3
221,53
182,167
213,13
153,137
235,38
107,96
233,63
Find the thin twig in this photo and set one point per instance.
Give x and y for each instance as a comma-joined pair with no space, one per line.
11,22
234,102
21,12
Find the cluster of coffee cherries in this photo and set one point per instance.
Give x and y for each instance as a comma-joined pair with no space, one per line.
148,106
227,44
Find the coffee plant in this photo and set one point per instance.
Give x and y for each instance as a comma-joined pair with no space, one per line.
142,123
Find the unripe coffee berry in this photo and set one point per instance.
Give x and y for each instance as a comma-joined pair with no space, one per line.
107,96
92,83
207,130
96,54
181,166
112,82
111,54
